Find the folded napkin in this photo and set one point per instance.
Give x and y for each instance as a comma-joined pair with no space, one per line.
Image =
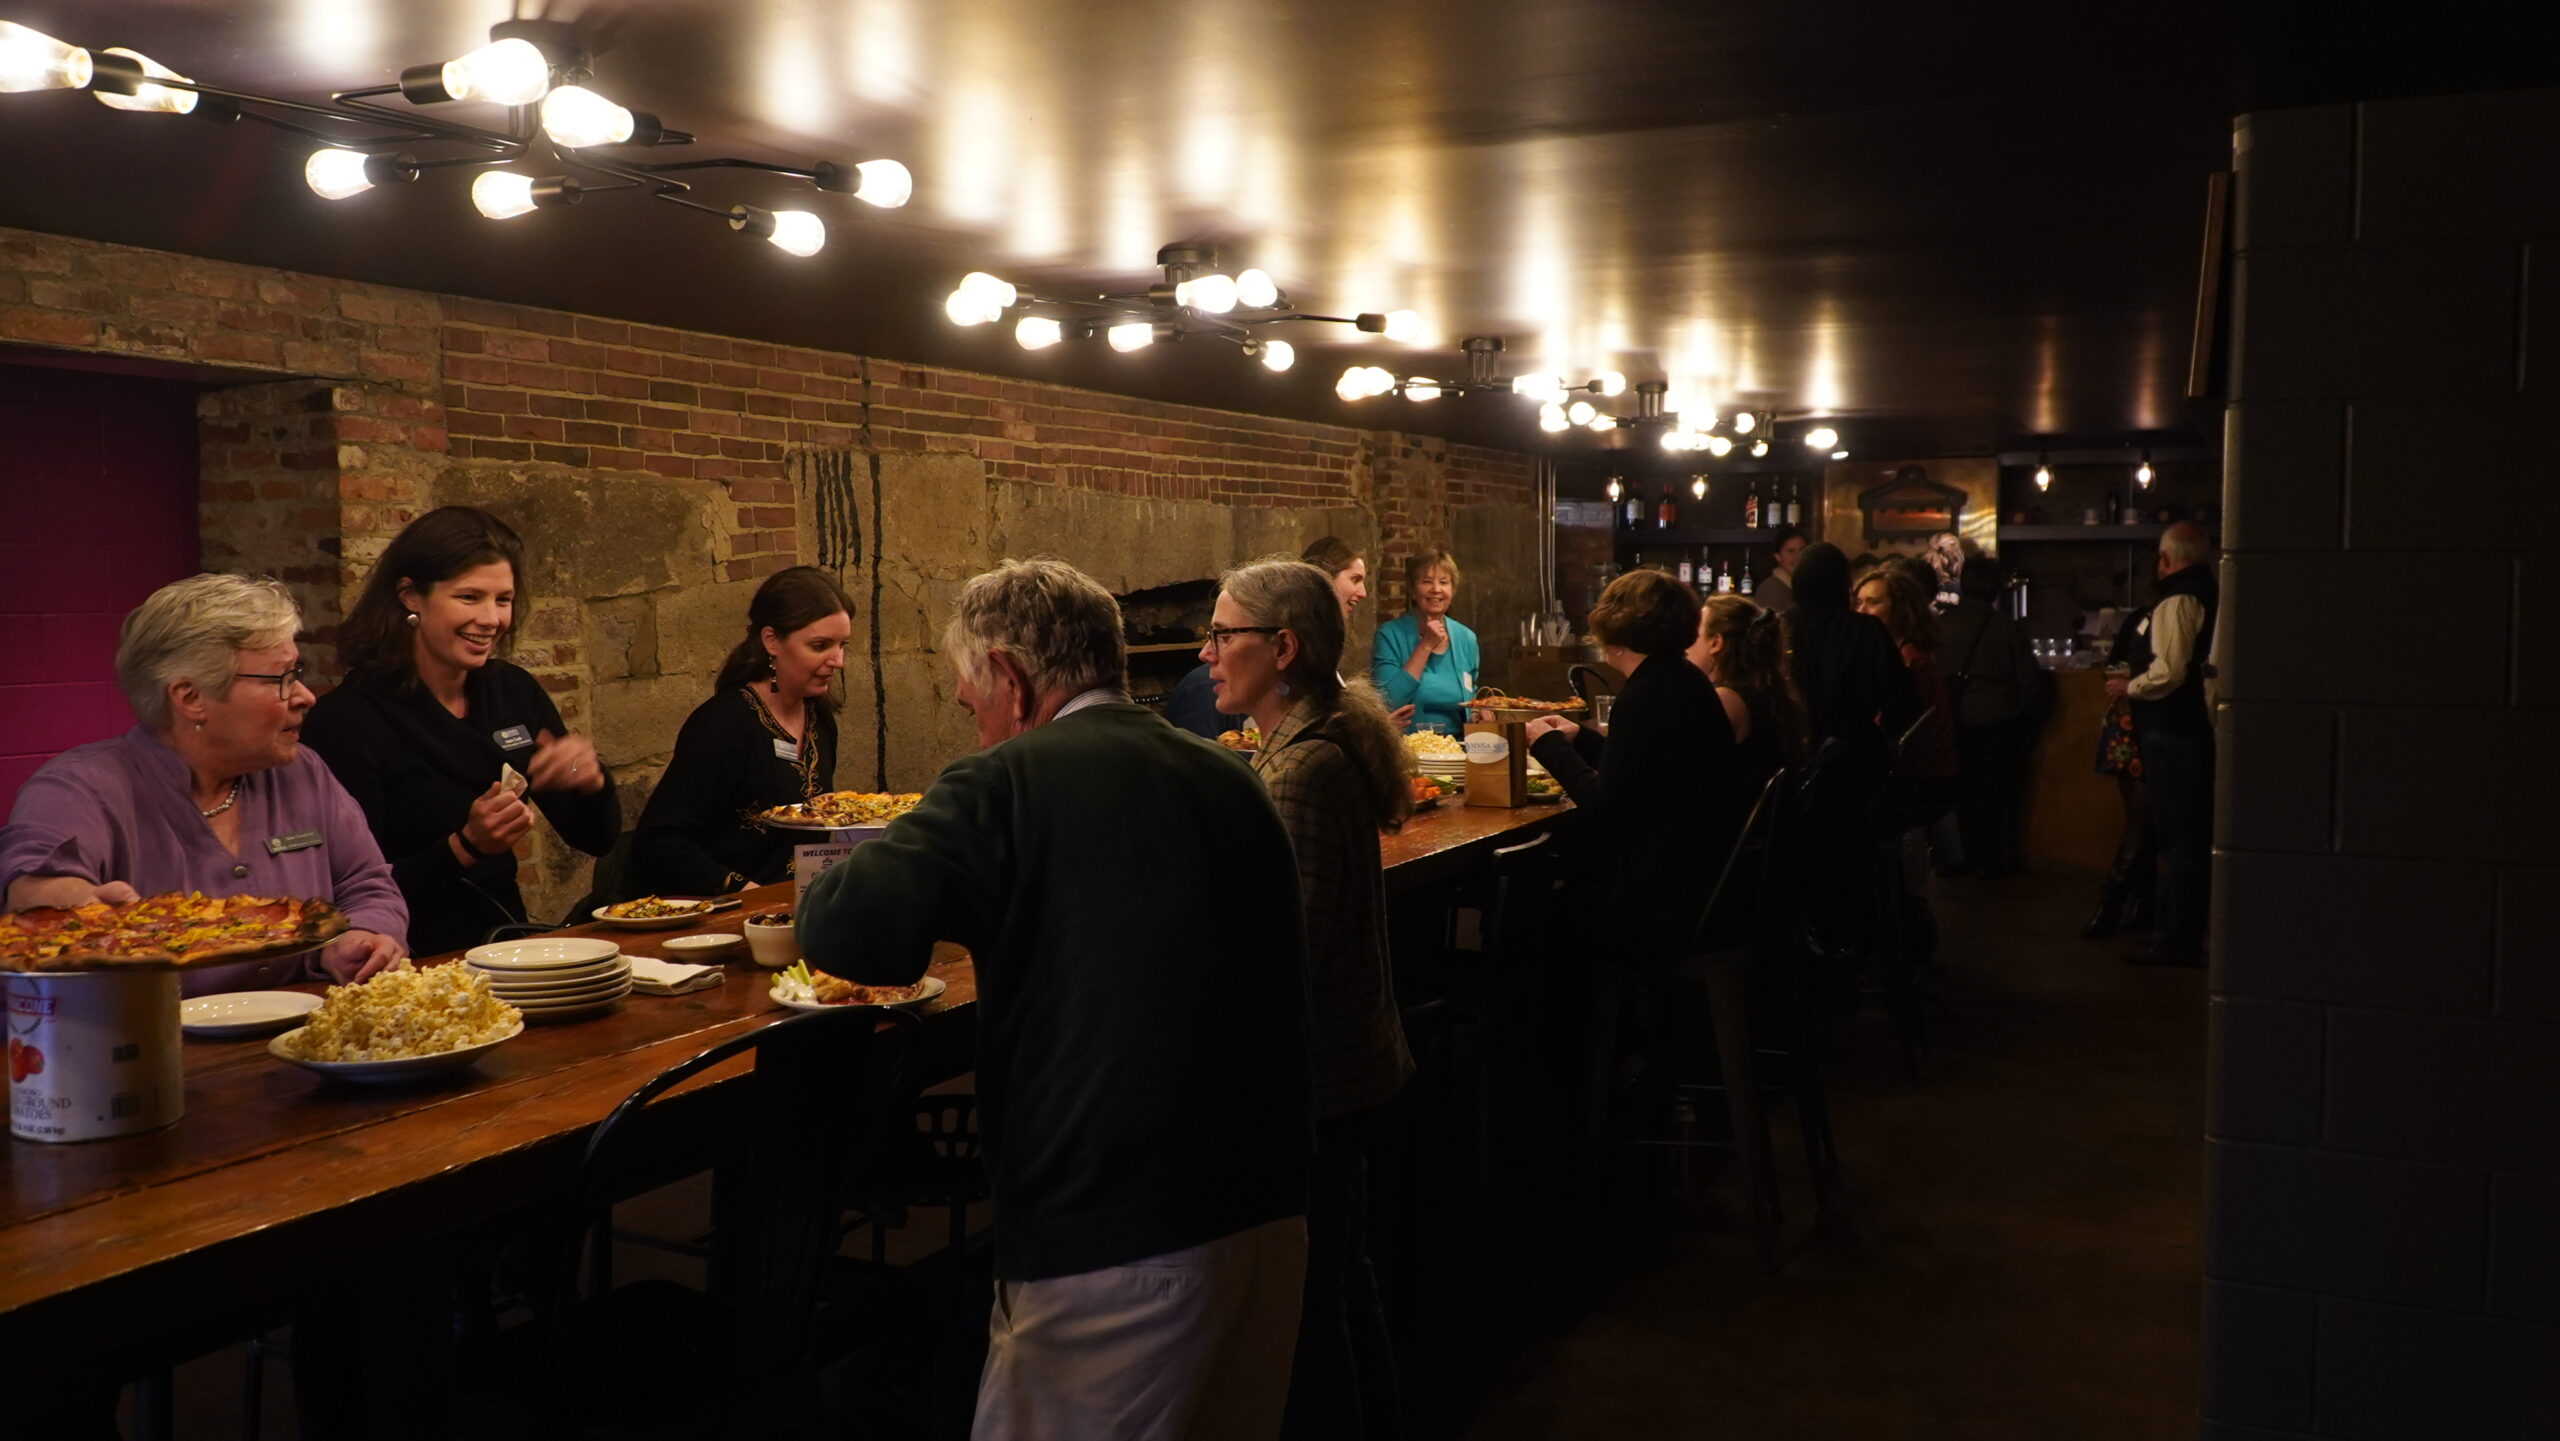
653,977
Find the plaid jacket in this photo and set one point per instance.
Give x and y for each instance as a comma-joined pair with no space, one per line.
1360,1056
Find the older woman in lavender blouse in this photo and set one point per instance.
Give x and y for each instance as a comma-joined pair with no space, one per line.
211,792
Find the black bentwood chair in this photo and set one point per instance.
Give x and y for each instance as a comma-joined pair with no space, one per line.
1719,958
657,1358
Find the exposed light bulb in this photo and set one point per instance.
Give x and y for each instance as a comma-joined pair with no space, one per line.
1822,437
335,174
993,294
1135,335
1839,455
961,307
506,72
885,183
1404,326
1037,332
1256,290
1551,418
1537,385
798,232
1760,447
1382,381
2142,474
33,60
146,96
1718,446
1601,420
1354,384
1613,382
1278,355
576,117
502,194
1213,294
1419,387
1673,440
1697,487
1615,489
2044,476
1743,420
1580,412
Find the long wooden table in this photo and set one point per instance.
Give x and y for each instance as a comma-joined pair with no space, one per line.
277,1180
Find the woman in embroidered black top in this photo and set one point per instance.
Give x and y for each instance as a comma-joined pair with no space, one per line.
447,747
766,738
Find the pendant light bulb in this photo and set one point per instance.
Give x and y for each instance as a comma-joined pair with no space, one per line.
1839,455
1421,388
576,117
1212,294
1404,326
1278,355
885,183
502,194
1718,446
1256,290
1037,332
1760,447
33,60
1743,420
146,97
1613,383
1615,489
1551,418
335,174
1580,412
1822,437
1135,335
2143,473
2044,474
506,72
1697,487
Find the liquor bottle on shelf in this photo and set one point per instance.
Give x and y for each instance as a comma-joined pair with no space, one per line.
1795,503
1751,508
1743,584
1724,579
1631,510
1667,514
1688,572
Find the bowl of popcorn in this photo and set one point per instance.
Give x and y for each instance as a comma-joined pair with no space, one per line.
405,1024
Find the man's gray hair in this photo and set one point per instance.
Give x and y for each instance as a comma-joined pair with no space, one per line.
2185,543
1057,623
194,630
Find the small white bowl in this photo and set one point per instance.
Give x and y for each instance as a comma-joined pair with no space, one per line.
775,945
703,947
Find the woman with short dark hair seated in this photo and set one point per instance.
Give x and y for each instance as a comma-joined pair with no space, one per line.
1654,791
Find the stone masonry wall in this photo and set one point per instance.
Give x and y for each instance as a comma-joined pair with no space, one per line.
658,475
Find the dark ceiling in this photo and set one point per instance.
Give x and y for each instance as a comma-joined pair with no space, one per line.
1951,224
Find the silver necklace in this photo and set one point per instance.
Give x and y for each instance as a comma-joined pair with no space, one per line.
227,801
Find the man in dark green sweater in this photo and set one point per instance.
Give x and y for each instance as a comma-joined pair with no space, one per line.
1131,902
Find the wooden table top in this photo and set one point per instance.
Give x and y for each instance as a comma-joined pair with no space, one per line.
273,1165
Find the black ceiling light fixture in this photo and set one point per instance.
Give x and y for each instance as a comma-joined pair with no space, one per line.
1195,297
1548,390
548,153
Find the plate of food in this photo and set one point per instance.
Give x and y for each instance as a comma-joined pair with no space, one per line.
181,928
405,1024
802,989
1498,706
1434,746
652,913
1543,790
1245,741
842,810
1426,792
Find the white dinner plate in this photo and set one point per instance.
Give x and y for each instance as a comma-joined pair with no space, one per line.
587,997
932,987
545,995
583,1011
695,910
567,975
244,1013
407,1068
542,953
699,948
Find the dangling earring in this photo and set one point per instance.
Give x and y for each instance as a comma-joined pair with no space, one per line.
1284,690
413,619
773,678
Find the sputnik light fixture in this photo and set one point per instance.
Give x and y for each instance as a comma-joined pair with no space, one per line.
1193,298
544,156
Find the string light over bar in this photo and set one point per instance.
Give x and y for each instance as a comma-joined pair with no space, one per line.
547,154
1194,298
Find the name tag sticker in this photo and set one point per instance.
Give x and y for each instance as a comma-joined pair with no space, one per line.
1467,682
513,738
298,841
786,750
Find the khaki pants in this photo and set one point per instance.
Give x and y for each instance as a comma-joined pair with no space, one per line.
1193,1345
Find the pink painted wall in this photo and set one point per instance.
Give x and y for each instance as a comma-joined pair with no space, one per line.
97,510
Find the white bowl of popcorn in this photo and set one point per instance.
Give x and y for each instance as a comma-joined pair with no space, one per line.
403,1025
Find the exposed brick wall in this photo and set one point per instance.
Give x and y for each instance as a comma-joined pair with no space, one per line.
2383,1239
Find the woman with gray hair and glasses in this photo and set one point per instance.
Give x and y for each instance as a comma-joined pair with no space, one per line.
212,791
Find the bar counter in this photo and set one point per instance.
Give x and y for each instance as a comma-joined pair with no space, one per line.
2073,816
278,1183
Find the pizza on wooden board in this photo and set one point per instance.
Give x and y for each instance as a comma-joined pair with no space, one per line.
182,928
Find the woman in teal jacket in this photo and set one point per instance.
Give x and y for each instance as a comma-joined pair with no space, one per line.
1422,658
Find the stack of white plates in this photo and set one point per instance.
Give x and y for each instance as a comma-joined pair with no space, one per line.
1452,771
566,978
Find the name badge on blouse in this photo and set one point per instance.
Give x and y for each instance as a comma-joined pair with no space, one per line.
1466,682
513,738
298,841
787,750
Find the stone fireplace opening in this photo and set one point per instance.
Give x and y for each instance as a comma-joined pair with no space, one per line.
1162,625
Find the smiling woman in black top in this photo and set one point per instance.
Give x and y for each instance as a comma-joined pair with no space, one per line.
1665,766
766,738
442,742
